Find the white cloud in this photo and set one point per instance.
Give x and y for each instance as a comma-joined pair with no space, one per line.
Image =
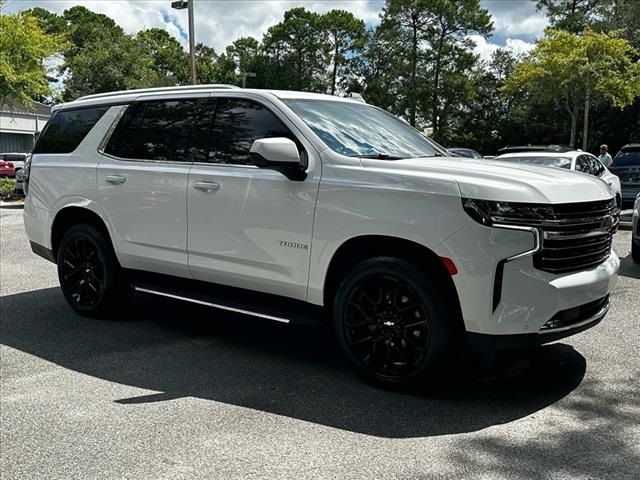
485,48
516,18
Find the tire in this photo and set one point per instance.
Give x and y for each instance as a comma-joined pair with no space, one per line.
90,276
635,251
388,342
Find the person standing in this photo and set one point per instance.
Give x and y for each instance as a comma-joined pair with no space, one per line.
604,156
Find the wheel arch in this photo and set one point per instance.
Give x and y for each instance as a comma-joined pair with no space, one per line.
357,249
69,216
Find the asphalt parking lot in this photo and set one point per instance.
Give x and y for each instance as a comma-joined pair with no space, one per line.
174,391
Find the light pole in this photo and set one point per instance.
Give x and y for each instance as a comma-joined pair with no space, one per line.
244,78
181,5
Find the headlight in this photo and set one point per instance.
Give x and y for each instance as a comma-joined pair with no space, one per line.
488,212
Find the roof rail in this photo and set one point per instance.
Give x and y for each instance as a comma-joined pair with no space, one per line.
159,89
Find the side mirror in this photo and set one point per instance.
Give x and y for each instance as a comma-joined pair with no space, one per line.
280,154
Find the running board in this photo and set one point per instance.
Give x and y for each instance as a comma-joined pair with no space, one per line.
236,300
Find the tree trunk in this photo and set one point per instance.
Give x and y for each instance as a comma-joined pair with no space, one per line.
585,126
574,128
414,62
436,84
299,70
335,70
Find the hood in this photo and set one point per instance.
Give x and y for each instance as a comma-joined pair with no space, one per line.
502,181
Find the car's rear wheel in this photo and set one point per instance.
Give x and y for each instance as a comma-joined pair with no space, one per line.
635,251
89,273
390,319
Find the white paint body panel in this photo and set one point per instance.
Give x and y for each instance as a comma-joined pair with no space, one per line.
261,231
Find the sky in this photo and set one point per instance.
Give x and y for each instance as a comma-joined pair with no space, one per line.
219,22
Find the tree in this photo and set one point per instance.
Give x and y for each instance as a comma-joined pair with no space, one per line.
346,36
574,68
375,73
407,23
111,62
214,68
170,61
23,48
298,41
482,122
431,40
455,20
572,15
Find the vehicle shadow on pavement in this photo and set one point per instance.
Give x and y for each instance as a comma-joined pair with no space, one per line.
628,268
181,350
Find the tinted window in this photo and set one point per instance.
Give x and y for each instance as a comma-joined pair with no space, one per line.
627,159
237,124
173,130
66,129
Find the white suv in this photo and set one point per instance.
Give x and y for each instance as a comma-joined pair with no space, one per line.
296,206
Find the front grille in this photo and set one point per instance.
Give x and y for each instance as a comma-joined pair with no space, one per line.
576,236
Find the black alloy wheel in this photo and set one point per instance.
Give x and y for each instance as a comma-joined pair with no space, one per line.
386,325
82,271
90,276
392,321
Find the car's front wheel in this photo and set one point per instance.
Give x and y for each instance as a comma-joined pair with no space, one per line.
89,273
635,251
392,322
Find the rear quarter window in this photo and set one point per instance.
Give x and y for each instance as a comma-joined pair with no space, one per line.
66,129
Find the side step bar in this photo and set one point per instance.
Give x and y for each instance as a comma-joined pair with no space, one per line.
236,300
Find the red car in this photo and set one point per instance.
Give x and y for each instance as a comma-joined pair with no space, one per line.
7,169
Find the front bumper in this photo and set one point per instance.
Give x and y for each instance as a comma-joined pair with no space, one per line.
524,298
580,318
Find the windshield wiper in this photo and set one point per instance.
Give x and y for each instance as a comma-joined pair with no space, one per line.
379,156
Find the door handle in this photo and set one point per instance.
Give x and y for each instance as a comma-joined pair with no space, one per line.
115,179
206,187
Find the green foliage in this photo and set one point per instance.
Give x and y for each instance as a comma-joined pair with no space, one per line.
170,60
428,40
24,46
6,188
572,15
112,61
569,67
298,48
346,37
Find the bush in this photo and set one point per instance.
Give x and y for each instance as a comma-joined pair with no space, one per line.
6,188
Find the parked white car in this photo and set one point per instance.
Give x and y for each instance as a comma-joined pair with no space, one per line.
570,160
292,206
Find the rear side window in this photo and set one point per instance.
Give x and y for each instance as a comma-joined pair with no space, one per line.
597,167
583,165
168,130
237,124
66,129
627,159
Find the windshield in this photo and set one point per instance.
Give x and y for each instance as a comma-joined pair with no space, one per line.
559,162
360,130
